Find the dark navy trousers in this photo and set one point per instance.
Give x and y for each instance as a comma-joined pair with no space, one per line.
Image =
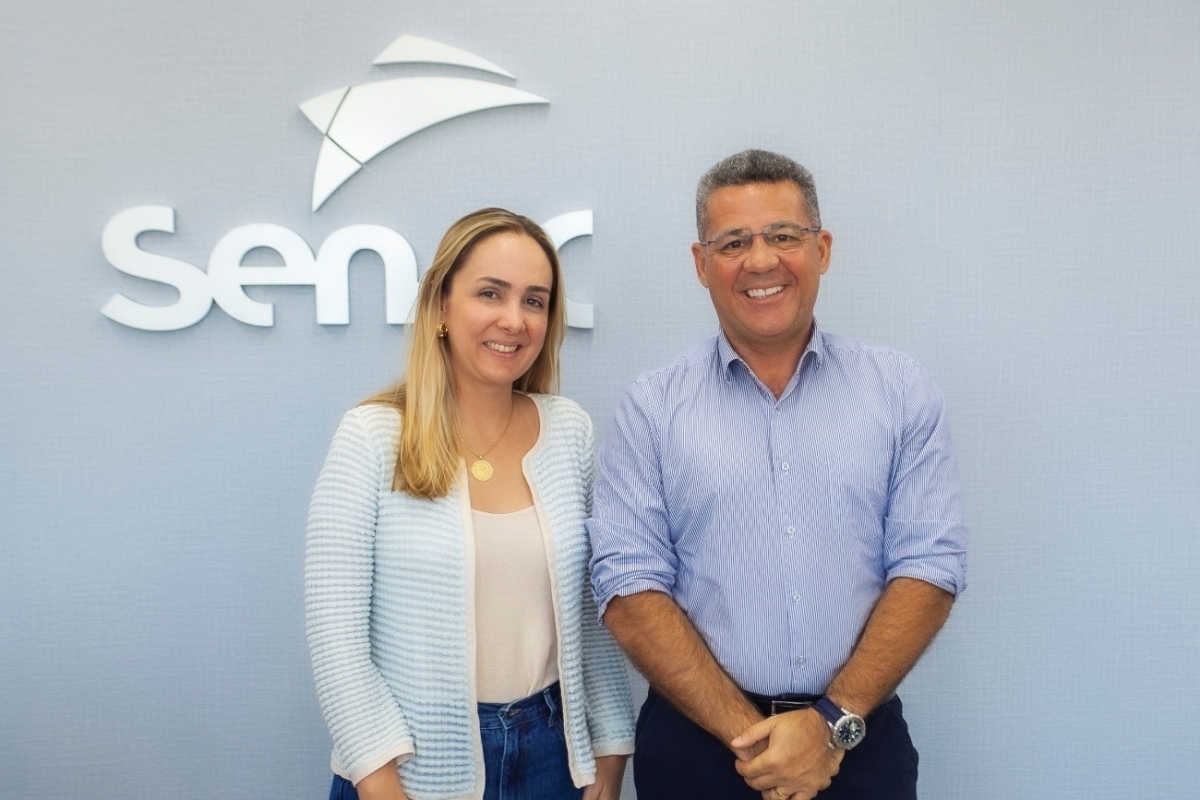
675,759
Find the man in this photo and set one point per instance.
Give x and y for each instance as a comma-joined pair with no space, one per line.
777,528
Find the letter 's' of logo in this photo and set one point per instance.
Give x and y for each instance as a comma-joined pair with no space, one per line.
360,122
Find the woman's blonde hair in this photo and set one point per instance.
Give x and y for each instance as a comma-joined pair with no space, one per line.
428,459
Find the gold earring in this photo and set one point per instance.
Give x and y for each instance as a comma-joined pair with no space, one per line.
442,330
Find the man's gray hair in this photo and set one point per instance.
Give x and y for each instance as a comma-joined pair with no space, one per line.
755,166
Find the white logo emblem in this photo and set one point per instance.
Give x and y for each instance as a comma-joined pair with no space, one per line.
360,122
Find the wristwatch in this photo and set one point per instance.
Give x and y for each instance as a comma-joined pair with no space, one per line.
846,729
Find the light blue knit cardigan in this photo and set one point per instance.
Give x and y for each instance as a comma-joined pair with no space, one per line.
389,585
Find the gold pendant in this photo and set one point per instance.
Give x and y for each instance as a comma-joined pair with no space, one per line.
482,470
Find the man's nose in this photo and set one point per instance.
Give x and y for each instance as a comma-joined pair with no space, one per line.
761,255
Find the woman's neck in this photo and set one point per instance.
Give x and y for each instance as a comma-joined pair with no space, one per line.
484,413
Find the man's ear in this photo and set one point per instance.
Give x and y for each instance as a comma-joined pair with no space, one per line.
825,248
701,265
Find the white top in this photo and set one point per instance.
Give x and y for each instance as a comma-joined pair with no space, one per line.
516,641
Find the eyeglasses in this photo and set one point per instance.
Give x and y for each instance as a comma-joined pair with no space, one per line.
783,237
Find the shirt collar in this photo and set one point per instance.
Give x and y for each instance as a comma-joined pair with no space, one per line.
816,347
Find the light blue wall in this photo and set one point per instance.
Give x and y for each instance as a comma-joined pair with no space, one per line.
1013,192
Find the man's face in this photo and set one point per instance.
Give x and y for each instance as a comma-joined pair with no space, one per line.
764,297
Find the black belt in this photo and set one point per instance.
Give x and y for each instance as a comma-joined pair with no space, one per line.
780,703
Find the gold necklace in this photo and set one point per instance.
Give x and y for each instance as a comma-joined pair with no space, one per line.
481,468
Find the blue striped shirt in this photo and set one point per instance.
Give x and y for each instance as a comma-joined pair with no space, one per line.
776,524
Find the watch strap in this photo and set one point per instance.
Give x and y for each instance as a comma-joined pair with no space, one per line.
829,709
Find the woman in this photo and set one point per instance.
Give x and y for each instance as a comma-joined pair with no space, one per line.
453,634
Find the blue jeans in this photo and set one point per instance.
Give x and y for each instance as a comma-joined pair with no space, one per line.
524,751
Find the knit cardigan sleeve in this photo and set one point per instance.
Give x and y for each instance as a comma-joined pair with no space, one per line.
367,725
605,678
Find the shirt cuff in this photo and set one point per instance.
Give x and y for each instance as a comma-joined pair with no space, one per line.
944,576
634,586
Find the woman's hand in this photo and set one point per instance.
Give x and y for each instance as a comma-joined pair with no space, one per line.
382,784
610,771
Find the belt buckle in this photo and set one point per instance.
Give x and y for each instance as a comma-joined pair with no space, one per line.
783,706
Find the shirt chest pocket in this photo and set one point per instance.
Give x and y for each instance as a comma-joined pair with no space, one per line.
859,483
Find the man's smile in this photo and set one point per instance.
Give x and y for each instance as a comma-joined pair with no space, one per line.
758,294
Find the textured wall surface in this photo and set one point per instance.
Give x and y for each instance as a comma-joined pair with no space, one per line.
1013,194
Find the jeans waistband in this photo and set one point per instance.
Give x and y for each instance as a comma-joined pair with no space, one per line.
539,705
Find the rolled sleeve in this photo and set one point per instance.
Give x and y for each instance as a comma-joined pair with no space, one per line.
631,543
924,534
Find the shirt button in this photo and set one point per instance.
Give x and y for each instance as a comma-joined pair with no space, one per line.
801,661
791,530
785,466
796,596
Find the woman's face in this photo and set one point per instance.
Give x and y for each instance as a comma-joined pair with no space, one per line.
497,311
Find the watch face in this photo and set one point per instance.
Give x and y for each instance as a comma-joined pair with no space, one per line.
849,731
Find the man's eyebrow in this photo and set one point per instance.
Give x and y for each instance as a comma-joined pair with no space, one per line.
731,232
503,284
774,226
